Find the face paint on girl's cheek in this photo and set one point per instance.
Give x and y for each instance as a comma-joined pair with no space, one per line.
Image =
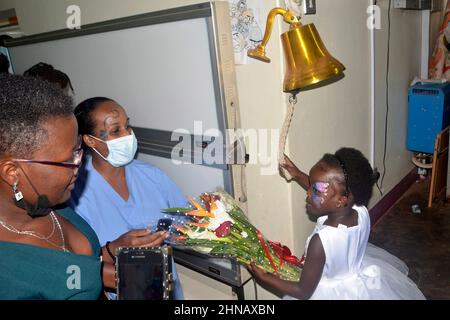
320,191
318,200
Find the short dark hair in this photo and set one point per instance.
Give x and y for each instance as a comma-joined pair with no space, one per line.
48,73
25,104
83,113
4,37
360,177
4,63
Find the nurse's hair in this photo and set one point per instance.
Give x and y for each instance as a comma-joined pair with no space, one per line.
83,112
3,38
26,104
4,63
48,73
358,177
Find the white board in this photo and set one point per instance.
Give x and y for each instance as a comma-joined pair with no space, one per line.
155,72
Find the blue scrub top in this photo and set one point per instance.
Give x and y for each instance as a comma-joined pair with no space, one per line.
150,191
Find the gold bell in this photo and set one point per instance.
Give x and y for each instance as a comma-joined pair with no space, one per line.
308,62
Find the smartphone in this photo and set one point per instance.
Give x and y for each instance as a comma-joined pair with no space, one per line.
144,273
164,224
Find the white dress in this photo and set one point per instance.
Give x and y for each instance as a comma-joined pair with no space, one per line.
355,269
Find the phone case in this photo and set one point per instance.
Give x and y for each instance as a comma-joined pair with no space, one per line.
144,273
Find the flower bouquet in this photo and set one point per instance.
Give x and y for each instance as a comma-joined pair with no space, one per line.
220,228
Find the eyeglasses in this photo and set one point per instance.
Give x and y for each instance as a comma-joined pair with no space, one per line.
75,164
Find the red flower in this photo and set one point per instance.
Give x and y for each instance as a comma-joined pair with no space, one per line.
285,254
224,229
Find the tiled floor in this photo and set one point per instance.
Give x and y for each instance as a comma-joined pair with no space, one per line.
422,241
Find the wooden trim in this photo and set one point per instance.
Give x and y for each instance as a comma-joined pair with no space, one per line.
382,207
201,10
439,172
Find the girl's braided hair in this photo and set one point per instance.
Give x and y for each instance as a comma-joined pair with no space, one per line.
358,177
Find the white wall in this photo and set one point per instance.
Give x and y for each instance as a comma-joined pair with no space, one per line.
6,4
325,119
404,66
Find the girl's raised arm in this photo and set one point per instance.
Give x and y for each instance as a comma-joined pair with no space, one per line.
298,176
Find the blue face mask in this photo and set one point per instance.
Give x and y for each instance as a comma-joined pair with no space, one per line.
121,150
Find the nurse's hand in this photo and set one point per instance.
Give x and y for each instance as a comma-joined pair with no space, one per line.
138,238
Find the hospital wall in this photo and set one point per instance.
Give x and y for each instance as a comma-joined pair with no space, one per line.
325,119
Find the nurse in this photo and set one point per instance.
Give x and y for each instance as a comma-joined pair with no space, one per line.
116,193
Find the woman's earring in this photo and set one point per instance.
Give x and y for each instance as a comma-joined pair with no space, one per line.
17,194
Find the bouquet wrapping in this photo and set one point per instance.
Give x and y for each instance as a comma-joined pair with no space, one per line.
217,226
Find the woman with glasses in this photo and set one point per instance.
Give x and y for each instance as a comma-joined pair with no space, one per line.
115,193
45,253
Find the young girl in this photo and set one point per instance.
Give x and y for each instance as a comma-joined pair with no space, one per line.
339,263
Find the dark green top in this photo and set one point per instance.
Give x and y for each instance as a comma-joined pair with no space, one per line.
32,272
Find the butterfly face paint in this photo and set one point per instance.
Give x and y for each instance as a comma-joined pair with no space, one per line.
319,192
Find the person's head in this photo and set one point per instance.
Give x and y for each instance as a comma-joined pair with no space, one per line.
3,38
39,150
4,64
105,128
48,73
340,180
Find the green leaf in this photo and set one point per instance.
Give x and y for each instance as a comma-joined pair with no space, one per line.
176,210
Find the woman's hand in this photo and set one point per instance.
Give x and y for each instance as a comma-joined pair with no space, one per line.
137,238
109,275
